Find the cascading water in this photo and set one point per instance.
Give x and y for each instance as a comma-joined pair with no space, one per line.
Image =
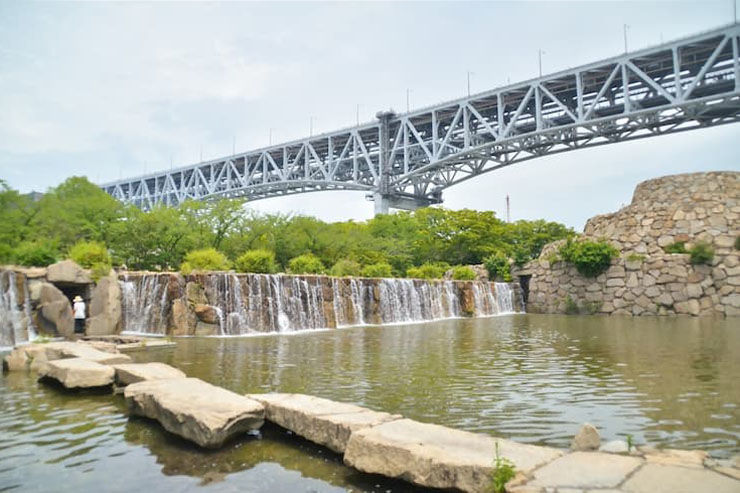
16,325
145,303
269,303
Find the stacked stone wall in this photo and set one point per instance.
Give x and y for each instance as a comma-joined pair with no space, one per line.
645,280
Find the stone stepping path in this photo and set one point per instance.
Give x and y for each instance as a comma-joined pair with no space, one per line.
127,374
328,423
195,410
78,373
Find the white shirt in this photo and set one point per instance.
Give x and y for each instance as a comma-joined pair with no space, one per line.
79,308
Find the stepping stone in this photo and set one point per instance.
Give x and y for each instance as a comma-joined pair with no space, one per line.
141,372
62,350
322,421
436,456
585,470
658,478
78,373
195,410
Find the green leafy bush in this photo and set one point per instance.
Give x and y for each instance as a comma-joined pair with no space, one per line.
701,253
677,247
591,258
307,263
90,253
571,306
498,267
737,242
35,253
258,261
380,269
204,259
428,271
99,270
635,257
345,267
463,273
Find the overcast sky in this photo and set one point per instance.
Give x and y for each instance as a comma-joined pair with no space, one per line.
109,90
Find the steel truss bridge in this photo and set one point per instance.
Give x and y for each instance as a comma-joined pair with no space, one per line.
405,160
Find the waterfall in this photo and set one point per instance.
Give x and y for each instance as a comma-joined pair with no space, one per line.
242,304
145,305
16,323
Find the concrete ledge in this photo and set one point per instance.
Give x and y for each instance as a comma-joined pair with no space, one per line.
195,410
322,421
436,456
78,373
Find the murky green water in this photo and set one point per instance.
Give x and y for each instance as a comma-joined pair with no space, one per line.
667,382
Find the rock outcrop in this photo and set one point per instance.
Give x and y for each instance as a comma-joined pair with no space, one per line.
645,279
55,311
78,373
322,421
68,272
105,307
195,410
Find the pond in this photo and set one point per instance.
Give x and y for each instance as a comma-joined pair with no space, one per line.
531,378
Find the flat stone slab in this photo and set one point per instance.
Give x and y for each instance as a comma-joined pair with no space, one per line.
127,374
436,456
77,373
147,345
659,478
62,350
322,421
195,410
585,470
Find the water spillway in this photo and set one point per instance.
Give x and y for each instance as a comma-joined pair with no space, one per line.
223,303
16,325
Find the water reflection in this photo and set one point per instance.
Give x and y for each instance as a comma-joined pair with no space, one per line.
669,382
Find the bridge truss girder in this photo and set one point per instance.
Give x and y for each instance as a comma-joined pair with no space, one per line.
407,160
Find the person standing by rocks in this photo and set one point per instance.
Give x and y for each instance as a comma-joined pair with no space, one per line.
79,309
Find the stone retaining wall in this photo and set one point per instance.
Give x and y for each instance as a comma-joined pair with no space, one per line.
645,280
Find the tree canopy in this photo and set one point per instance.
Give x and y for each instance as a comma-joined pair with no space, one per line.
160,239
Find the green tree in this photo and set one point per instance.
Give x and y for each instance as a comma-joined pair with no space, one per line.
205,259
381,269
307,263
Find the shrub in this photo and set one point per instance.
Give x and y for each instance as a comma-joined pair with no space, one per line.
90,253
737,242
701,253
258,261
380,269
591,258
36,253
498,267
204,259
428,271
99,270
307,263
463,273
345,267
635,257
677,247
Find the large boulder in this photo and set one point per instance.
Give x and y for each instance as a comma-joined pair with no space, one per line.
183,319
67,271
22,358
322,421
127,374
195,293
55,313
105,308
207,314
195,410
437,457
77,373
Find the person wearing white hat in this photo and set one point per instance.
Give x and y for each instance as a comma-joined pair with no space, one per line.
79,309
